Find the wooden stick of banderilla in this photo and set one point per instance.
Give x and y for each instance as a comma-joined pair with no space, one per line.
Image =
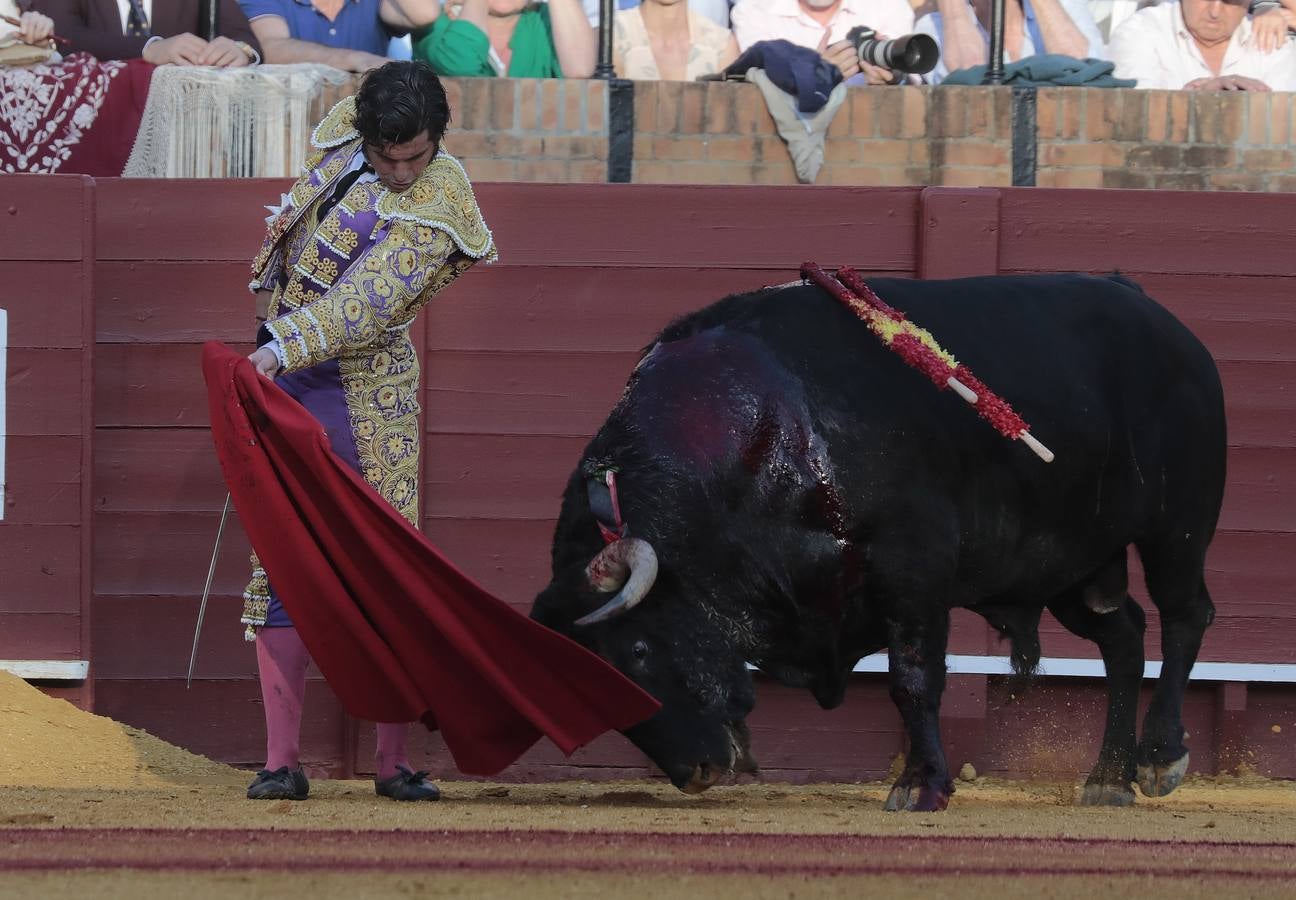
919,349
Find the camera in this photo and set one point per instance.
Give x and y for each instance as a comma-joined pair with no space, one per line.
916,54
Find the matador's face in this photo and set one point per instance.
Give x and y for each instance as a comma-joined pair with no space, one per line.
399,165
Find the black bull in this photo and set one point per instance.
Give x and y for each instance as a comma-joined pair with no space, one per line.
797,497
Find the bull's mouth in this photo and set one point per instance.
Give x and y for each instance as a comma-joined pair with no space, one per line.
741,761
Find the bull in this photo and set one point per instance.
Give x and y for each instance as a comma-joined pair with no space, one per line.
788,493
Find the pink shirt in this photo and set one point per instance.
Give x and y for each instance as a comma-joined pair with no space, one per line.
768,20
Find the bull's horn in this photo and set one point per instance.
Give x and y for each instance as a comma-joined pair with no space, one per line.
631,564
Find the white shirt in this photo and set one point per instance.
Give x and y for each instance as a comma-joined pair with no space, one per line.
715,10
123,7
1155,47
1076,10
771,20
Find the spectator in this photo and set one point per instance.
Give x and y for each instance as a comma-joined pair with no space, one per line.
513,38
1202,45
347,34
821,25
668,40
960,28
128,29
1272,22
25,43
715,10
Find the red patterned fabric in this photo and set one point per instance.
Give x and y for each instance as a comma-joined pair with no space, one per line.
399,633
78,116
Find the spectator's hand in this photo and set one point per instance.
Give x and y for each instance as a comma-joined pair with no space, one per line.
265,362
1270,29
224,53
1226,83
35,28
360,61
844,56
182,50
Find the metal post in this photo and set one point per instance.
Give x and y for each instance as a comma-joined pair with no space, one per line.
995,70
208,19
604,69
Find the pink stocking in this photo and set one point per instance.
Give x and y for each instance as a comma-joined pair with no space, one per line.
391,749
281,662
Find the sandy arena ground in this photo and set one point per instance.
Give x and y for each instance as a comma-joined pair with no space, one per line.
91,808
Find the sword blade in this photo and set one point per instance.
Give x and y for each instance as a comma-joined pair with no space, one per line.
202,607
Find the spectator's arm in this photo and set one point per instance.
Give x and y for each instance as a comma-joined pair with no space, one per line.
730,52
71,22
456,47
278,46
1082,18
573,38
1060,33
234,25
403,16
961,42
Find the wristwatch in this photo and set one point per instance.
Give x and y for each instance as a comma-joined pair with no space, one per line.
252,55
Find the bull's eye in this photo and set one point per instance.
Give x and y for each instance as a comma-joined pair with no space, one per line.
640,650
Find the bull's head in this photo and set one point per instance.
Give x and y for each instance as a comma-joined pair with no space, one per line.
640,618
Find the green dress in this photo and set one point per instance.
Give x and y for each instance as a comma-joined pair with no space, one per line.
456,48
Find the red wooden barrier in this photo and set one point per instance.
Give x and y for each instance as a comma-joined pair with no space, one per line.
523,360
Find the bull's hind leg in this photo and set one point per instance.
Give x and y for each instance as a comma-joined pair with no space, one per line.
1176,585
1100,610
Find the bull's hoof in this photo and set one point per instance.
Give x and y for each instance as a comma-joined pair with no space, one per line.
924,798
1157,781
1107,795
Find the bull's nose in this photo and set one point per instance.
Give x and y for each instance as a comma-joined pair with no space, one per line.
704,775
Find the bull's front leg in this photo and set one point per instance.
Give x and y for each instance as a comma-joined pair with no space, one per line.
917,670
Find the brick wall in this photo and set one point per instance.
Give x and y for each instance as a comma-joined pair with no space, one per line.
721,133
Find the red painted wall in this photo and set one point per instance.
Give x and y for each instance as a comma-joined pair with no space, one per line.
523,360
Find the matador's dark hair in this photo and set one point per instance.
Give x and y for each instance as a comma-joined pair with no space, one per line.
399,101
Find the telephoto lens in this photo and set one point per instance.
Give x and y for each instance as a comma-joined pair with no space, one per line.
915,54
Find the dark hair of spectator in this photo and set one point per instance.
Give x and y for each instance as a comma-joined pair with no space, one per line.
399,101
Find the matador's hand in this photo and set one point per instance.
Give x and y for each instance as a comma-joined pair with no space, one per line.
266,362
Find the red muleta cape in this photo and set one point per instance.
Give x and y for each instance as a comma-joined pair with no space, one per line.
399,633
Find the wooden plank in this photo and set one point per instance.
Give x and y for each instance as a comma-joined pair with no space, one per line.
157,470
142,301
40,568
149,385
43,481
1260,403
1269,723
44,300
40,635
1261,490
44,392
47,669
958,232
225,722
509,557
40,216
693,226
1237,317
553,394
1055,728
497,476
167,554
1148,231
572,309
165,624
1250,574
148,219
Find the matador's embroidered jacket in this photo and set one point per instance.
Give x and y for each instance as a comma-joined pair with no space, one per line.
345,291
